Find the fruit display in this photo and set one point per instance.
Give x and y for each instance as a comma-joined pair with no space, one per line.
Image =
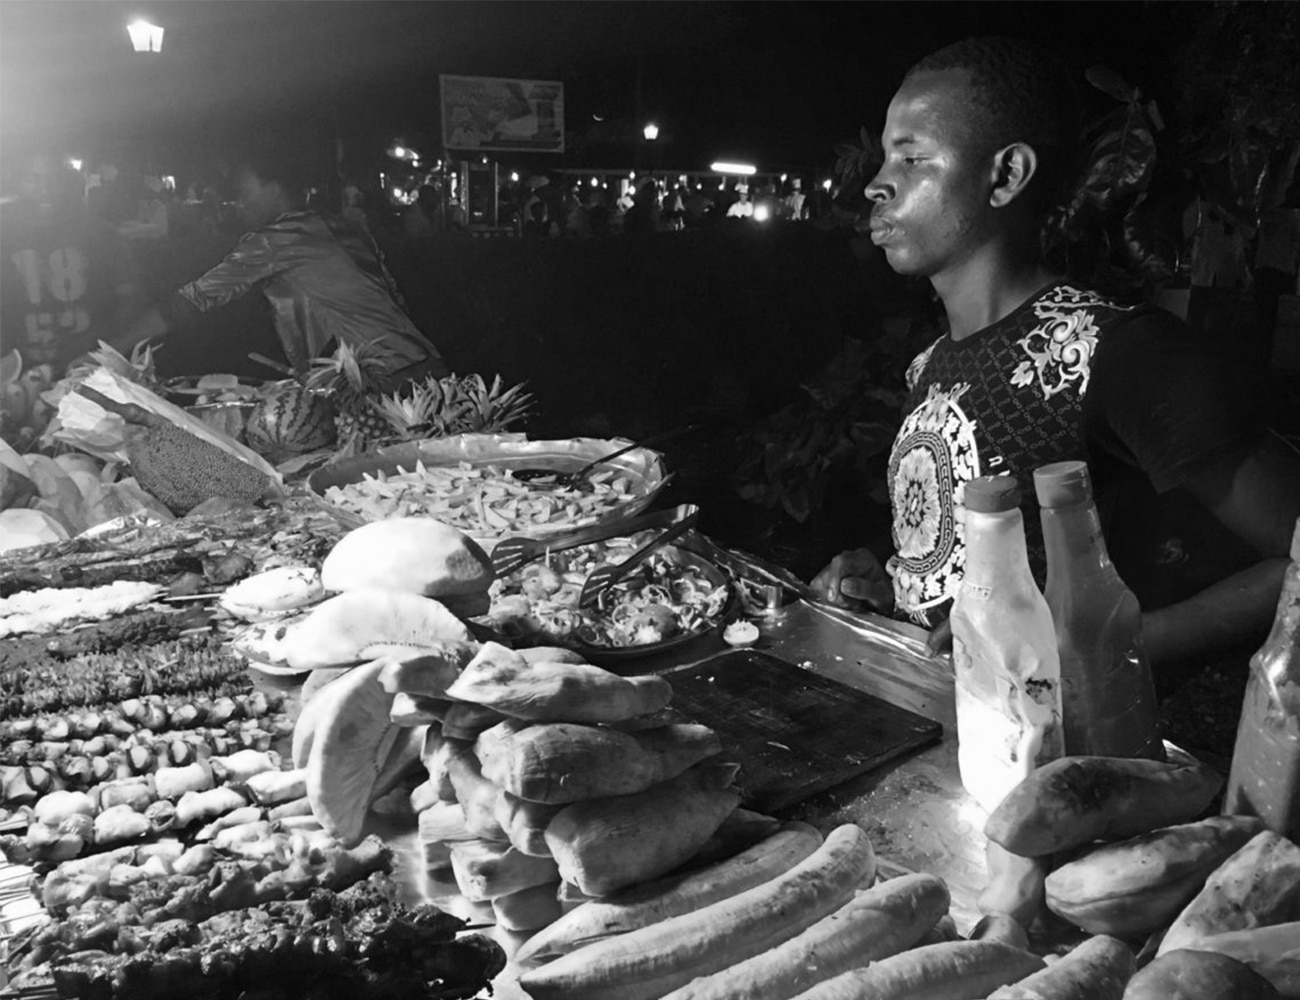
24,411
46,499
365,417
289,420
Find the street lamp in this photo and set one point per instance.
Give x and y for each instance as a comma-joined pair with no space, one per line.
651,132
145,37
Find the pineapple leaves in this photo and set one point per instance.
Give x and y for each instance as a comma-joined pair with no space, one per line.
455,405
431,408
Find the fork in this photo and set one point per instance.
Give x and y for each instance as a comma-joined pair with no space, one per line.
510,554
603,577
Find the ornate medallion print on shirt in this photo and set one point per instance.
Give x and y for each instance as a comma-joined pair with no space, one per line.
1061,346
933,458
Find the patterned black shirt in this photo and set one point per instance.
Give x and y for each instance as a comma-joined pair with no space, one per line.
1067,375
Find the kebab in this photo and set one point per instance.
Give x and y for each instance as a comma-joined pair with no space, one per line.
358,943
64,822
45,683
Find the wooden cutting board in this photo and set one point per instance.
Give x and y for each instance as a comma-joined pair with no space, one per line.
794,733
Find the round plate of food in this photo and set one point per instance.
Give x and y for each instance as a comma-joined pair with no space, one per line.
674,597
192,390
468,482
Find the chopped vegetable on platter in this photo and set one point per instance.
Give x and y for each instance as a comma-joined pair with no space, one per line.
667,596
484,500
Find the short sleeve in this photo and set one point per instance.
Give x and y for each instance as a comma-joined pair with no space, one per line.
1162,399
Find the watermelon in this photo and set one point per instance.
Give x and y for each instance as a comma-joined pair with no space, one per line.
292,420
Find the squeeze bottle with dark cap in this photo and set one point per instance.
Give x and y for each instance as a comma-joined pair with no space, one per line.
1265,777
1108,696
1004,650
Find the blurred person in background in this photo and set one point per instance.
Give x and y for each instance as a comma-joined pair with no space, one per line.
324,278
742,207
644,215
794,202
68,279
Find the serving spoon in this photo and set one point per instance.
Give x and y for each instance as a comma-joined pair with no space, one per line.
600,579
553,478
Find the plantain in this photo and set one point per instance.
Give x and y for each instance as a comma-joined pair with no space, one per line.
1137,886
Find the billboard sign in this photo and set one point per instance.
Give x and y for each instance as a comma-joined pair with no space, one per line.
490,114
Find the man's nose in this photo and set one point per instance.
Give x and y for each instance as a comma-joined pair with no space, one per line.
879,189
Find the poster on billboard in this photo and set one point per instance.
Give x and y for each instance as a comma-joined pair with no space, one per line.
489,114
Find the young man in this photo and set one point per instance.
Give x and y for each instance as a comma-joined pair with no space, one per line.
1037,369
324,278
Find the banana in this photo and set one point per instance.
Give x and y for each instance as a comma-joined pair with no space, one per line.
273,593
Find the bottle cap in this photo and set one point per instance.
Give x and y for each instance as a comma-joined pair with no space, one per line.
1062,484
992,494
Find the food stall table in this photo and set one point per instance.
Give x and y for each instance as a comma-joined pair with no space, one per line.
915,809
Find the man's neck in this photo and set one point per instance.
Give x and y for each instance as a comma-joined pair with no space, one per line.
987,290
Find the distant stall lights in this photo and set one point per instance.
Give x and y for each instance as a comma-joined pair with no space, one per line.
145,37
514,177
651,132
742,169
74,163
761,213
826,184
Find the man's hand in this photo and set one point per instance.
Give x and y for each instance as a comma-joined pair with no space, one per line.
856,580
939,641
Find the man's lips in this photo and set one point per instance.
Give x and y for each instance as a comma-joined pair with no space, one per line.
880,230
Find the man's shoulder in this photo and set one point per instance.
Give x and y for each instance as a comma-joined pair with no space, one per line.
916,369
1066,308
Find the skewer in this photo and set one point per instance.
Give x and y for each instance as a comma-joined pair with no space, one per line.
176,598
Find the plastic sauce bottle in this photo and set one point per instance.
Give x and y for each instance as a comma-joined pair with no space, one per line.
1265,776
1004,651
1108,696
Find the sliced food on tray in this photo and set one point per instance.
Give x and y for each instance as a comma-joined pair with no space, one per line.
670,595
483,500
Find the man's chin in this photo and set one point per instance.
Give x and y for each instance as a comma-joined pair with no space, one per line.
901,262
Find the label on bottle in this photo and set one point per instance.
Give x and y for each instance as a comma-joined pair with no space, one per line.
1003,732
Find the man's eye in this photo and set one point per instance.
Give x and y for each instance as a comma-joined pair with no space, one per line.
911,161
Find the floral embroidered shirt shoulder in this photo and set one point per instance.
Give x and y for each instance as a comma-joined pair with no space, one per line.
1067,375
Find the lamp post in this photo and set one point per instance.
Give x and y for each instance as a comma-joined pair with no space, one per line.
145,37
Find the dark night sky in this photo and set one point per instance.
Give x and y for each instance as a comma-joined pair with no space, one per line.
779,82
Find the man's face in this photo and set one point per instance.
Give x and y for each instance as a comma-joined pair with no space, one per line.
259,202
931,195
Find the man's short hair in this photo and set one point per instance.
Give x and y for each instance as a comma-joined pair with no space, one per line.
273,162
1020,92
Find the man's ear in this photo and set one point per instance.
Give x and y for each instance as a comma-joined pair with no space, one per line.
1014,167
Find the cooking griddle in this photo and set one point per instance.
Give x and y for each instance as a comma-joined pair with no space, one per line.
793,732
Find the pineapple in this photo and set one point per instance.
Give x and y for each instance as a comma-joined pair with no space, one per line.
489,408
428,408
414,415
138,368
443,407
350,378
